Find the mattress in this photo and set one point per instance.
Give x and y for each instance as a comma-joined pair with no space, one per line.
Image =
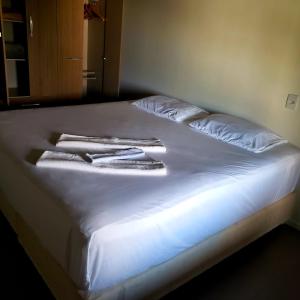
103,229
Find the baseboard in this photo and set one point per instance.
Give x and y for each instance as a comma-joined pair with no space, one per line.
294,224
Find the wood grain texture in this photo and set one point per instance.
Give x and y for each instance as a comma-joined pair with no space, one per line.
43,64
55,50
70,48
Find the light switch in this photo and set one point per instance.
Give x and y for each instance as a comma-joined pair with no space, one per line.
292,101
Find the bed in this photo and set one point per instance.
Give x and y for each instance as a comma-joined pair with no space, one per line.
97,236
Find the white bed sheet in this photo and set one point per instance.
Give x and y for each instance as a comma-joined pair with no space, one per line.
104,229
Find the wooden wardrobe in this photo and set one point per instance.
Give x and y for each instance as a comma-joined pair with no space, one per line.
49,54
41,50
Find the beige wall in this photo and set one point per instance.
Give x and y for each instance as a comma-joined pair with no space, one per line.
235,56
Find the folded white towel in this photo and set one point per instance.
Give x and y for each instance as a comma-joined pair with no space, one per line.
113,154
68,161
69,141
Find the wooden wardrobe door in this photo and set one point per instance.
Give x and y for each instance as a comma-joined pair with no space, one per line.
42,47
70,48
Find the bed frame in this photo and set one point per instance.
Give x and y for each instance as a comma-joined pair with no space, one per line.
159,280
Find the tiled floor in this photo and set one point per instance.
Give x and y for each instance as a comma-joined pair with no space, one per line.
267,269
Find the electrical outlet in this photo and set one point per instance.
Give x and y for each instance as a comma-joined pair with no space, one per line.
292,102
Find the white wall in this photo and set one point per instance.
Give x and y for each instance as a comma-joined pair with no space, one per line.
234,56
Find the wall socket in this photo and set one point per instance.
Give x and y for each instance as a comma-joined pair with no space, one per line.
292,102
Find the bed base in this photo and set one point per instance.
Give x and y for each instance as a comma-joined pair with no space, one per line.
159,280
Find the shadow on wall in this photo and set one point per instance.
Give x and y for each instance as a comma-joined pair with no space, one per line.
134,93
240,57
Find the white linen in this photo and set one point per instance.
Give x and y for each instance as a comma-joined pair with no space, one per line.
76,162
104,229
71,141
111,154
238,132
169,108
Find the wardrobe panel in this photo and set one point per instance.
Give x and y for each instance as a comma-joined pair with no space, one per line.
71,79
70,48
43,50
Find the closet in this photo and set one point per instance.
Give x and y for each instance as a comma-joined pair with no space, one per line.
59,50
70,48
41,50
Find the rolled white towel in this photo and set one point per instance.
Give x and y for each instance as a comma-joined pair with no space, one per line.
69,141
112,154
69,161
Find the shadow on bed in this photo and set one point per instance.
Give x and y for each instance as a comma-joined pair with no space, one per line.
35,154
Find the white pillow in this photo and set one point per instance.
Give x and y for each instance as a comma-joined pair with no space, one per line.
238,132
169,108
